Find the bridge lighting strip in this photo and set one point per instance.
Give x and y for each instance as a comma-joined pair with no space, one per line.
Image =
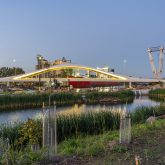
66,67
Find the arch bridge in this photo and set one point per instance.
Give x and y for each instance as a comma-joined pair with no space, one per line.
101,78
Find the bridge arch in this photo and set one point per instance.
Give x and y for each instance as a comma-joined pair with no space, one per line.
68,66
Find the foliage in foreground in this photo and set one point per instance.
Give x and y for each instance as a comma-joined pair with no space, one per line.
24,156
142,113
76,139
93,145
86,146
30,132
91,123
10,131
72,125
75,125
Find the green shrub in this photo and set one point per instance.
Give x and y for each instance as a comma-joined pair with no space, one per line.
10,131
140,114
30,132
22,157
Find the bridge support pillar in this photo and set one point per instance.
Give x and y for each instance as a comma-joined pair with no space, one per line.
163,85
8,84
88,73
130,84
97,75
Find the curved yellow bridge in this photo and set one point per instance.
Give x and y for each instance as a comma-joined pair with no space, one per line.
68,66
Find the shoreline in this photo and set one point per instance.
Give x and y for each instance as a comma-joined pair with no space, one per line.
20,102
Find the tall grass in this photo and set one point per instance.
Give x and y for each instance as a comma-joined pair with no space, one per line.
157,92
10,131
23,101
71,125
157,95
91,123
124,96
140,114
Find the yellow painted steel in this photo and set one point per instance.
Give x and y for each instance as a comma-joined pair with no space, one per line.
61,67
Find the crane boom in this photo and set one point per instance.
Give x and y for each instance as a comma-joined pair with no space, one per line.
161,60
156,73
152,63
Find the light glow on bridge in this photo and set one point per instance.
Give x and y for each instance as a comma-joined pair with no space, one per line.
69,66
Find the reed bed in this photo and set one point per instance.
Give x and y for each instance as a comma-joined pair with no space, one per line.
10,131
140,114
71,125
24,101
124,96
83,124
90,123
157,95
157,92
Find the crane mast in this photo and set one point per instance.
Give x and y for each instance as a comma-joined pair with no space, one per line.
156,72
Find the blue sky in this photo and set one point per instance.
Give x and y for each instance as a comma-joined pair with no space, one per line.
89,32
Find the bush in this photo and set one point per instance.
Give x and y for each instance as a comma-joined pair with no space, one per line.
142,113
30,132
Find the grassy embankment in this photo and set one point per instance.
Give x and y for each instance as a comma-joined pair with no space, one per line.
147,145
157,94
24,101
75,125
75,132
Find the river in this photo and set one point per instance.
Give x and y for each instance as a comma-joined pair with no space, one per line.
22,115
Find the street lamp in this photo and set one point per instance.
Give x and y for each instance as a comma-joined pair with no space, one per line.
14,61
124,68
124,64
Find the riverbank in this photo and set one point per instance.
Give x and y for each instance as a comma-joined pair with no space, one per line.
76,124
26,101
147,147
79,136
157,95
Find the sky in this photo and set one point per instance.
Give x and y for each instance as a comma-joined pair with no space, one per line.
94,33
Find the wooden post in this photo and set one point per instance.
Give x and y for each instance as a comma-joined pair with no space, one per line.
55,120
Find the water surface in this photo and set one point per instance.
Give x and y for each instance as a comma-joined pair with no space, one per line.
21,115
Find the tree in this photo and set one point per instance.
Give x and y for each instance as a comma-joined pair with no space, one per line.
7,71
66,72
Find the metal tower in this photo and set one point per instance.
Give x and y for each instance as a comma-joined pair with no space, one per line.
156,72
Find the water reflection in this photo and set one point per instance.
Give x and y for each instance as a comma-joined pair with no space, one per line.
21,115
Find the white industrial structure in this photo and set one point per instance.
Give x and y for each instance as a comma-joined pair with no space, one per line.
156,72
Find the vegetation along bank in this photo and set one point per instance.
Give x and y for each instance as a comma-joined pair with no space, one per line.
85,135
24,101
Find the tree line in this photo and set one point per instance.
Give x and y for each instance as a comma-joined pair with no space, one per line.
7,71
